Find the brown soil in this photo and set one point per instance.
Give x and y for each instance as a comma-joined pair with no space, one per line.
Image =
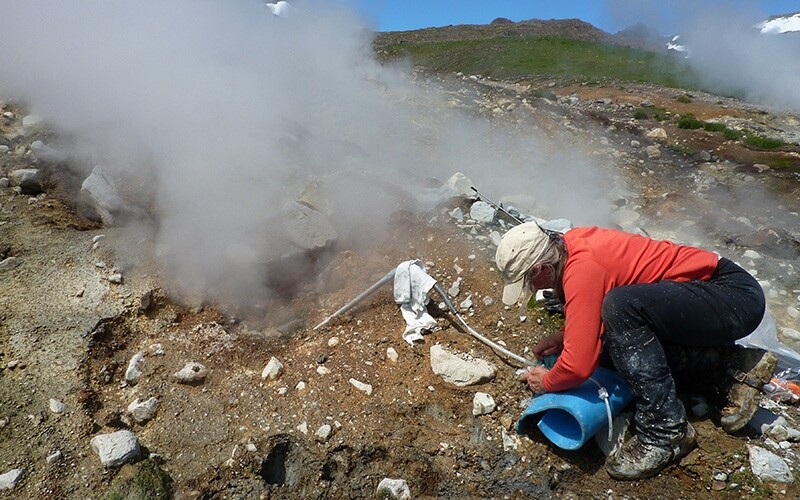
236,436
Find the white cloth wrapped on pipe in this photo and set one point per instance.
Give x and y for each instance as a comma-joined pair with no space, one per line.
411,287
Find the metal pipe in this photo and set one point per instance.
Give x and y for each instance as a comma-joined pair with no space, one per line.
363,295
494,345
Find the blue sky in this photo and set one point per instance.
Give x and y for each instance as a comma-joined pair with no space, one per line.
611,16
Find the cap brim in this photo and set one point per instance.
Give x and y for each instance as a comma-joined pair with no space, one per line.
512,292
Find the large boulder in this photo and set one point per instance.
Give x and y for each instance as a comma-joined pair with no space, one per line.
101,193
27,179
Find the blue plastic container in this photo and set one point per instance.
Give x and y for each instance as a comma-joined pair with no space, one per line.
570,418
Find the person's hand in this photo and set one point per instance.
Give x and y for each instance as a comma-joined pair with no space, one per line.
534,376
549,345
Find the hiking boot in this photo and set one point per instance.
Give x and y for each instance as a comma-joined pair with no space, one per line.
748,369
636,460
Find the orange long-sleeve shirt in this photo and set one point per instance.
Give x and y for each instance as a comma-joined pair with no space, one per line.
598,260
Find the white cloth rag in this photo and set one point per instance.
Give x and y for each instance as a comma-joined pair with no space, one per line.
411,287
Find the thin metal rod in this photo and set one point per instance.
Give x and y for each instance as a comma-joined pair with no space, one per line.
495,205
363,295
494,345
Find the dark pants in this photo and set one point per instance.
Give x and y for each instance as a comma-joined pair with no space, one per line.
642,320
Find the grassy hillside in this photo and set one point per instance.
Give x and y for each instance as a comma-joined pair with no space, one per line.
521,57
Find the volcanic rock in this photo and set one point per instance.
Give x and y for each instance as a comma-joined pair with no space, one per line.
769,466
10,479
461,370
27,179
116,448
393,489
192,373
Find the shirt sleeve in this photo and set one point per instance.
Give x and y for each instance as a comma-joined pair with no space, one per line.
585,286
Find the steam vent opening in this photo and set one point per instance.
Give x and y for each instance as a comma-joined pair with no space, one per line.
274,467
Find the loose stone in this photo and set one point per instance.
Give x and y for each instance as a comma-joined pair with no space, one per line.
273,369
116,448
361,386
192,372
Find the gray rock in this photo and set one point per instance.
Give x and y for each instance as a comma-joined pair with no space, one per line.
457,214
455,288
9,480
133,373
272,370
324,433
558,225
30,120
117,448
653,152
100,192
393,489
495,237
460,185
142,411
769,466
657,133
57,406
636,144
482,404
27,179
463,370
308,228
54,457
192,373
705,155
482,212
3,149
9,263
751,254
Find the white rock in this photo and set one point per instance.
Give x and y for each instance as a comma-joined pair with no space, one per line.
53,457
115,278
391,354
769,466
461,185
57,406
333,341
100,190
322,370
361,386
482,212
30,120
9,263
303,427
635,143
142,411
792,312
324,433
301,386
273,369
482,404
455,288
8,480
511,442
457,214
3,149
462,370
26,178
466,303
191,373
657,133
116,448
393,489
751,254
133,373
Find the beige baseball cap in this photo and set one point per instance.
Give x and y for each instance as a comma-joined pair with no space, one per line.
519,249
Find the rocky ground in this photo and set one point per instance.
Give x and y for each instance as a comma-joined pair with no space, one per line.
88,338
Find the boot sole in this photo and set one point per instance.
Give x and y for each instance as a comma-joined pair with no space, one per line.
763,371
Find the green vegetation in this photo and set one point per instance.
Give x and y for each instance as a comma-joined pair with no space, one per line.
781,163
732,135
519,57
640,114
688,121
684,99
763,142
142,481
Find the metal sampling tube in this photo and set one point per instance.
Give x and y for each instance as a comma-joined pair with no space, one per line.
363,295
494,345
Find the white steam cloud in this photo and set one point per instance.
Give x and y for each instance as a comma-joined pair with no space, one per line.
219,112
727,48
